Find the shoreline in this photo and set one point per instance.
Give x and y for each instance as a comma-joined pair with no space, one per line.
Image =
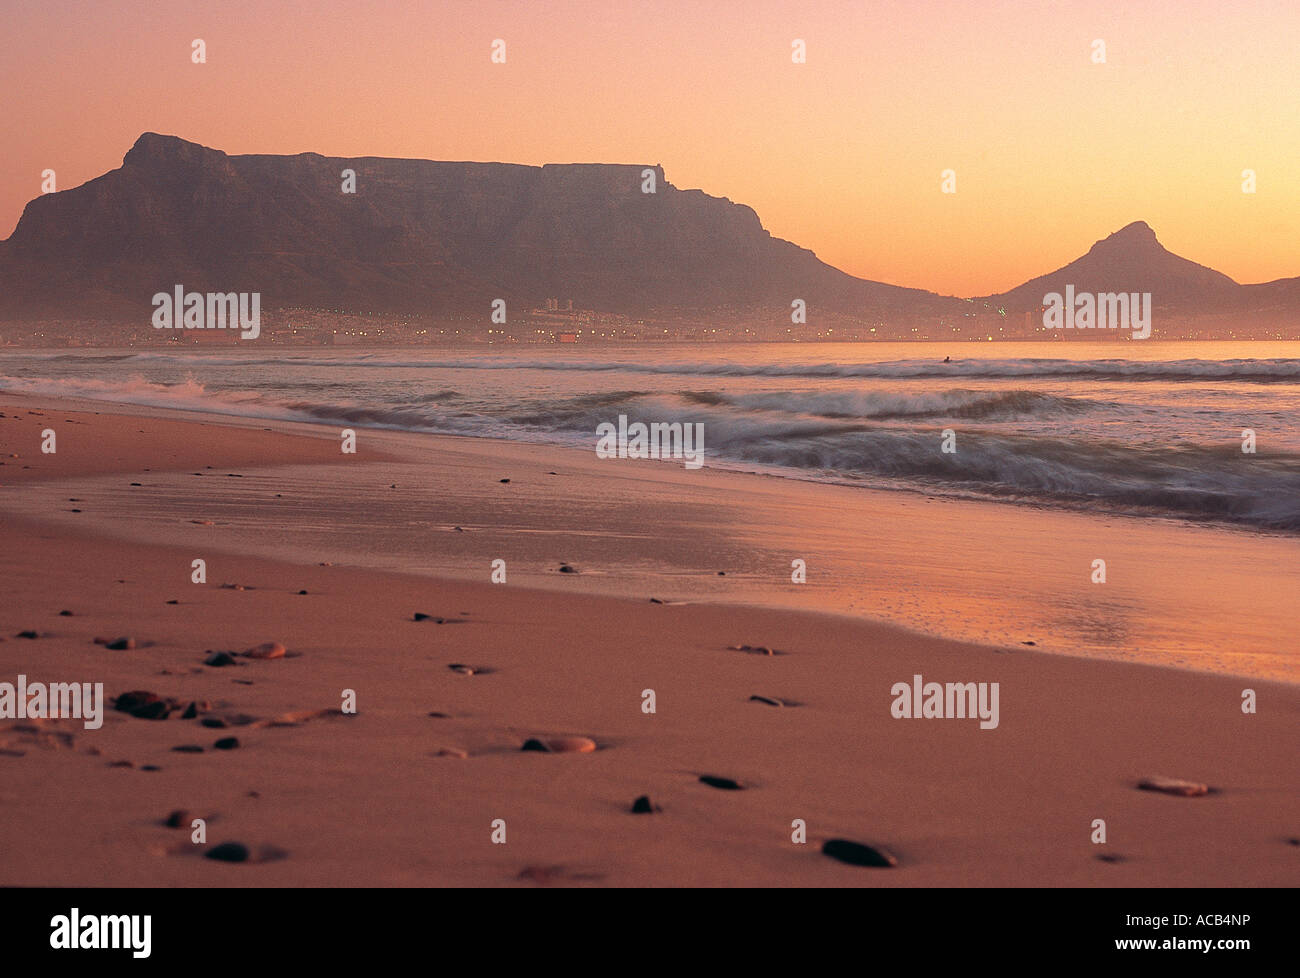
714,505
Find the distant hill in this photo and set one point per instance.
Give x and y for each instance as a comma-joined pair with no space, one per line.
1133,260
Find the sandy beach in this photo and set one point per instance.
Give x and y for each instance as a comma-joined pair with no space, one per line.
406,790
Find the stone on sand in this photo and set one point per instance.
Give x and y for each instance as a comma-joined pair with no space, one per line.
726,784
560,745
857,854
267,650
1174,786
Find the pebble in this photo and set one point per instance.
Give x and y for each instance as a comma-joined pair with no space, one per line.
857,854
65,614
227,743
770,701
144,704
644,806
228,852
219,659
214,722
178,819
567,569
560,745
754,649
28,634
120,644
505,482
453,752
267,650
1174,786
727,784
188,749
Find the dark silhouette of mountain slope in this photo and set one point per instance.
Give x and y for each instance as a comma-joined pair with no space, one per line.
417,236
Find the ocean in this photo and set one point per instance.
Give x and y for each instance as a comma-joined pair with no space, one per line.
1149,429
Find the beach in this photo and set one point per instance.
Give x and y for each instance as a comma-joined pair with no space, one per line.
406,791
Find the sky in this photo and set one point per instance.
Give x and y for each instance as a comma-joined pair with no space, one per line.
843,154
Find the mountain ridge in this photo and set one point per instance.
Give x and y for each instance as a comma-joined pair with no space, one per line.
446,238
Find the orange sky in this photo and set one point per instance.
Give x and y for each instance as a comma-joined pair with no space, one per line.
842,155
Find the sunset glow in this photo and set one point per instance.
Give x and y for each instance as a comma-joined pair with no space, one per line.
842,154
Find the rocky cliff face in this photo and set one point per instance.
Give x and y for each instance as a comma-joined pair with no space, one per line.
417,236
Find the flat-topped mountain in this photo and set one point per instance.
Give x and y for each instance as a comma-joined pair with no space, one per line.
417,236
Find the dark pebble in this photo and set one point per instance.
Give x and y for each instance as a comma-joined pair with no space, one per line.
188,749
178,819
142,703
28,634
214,722
191,712
121,644
65,614
724,783
766,699
173,601
302,592
532,743
655,601
227,743
643,806
219,659
505,481
857,854
228,852
566,569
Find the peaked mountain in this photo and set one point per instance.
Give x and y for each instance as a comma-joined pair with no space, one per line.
417,236
1133,260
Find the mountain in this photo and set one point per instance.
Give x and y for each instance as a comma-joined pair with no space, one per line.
417,236
1133,260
